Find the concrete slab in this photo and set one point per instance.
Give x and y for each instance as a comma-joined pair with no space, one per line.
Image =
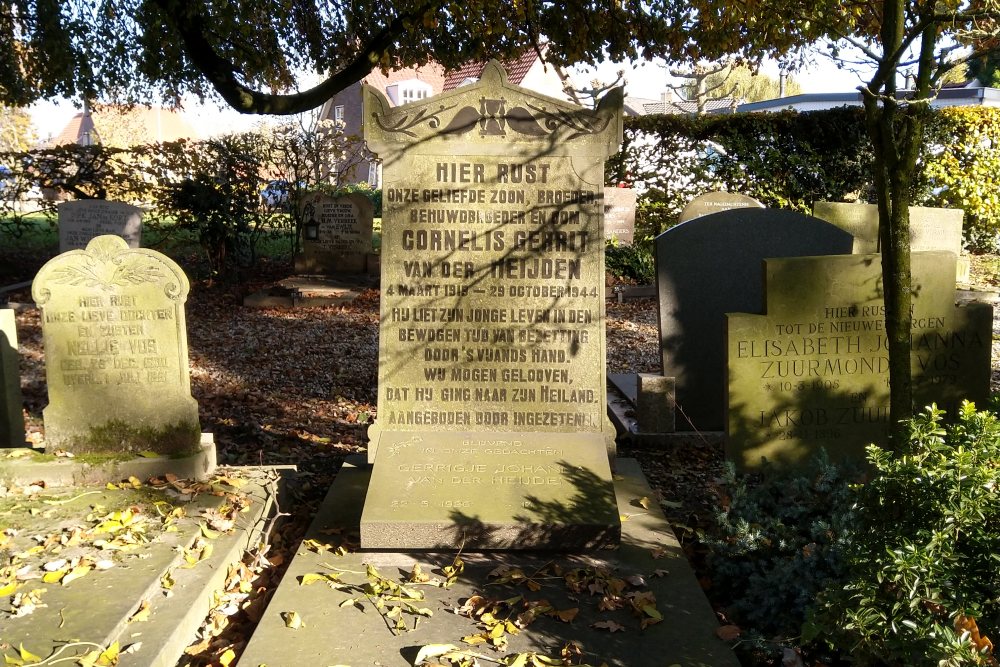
335,631
20,466
95,609
310,291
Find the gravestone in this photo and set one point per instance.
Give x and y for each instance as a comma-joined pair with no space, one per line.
930,229
336,234
619,215
85,219
116,359
704,268
716,202
813,370
11,416
492,428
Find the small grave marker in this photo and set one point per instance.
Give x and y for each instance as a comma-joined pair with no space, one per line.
85,219
116,357
813,371
336,234
619,214
716,202
11,415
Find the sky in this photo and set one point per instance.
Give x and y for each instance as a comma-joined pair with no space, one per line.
646,80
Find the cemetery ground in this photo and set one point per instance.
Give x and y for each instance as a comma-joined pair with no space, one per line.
297,387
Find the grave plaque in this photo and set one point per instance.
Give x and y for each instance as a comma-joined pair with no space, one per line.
492,428
116,358
619,215
85,219
716,202
11,416
336,234
704,267
930,229
813,371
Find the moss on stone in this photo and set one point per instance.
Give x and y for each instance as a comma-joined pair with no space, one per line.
117,438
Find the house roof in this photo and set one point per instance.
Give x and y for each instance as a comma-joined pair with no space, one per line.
983,96
516,70
125,127
432,73
721,105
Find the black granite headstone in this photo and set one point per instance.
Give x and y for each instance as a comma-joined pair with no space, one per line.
711,266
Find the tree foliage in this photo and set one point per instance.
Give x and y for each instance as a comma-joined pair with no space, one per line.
16,132
252,52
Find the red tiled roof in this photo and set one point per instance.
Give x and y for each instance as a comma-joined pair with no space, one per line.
516,70
122,127
431,73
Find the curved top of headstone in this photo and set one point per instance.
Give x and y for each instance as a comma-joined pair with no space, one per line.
716,202
109,264
492,111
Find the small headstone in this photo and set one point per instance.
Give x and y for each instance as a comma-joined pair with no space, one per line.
813,371
716,202
85,219
336,234
704,268
492,428
619,214
930,229
654,403
11,415
116,358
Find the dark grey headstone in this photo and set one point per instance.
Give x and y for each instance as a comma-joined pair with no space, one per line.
711,266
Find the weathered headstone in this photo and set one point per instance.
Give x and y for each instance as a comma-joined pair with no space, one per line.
619,214
716,202
11,416
704,268
930,228
116,357
85,219
492,430
813,371
336,234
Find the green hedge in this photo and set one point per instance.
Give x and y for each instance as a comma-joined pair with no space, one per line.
792,160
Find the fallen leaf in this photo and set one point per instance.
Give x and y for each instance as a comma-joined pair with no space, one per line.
292,619
610,626
142,613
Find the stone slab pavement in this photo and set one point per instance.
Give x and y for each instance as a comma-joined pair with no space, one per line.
315,624
95,610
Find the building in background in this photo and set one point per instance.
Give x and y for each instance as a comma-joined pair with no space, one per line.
122,127
416,83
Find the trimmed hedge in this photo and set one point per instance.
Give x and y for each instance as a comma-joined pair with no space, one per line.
792,160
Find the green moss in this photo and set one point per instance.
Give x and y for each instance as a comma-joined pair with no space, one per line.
117,438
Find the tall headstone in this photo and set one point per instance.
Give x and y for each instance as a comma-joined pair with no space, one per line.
492,429
619,214
716,202
11,416
116,359
85,219
813,370
336,234
711,266
930,229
